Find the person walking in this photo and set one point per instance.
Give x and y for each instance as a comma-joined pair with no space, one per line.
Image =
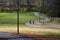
30,22
33,22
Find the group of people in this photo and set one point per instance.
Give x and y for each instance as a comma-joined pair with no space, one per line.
31,22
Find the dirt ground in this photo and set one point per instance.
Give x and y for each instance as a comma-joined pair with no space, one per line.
35,33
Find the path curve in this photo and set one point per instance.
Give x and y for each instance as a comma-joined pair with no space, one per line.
46,19
39,15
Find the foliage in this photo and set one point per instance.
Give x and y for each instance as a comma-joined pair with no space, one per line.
57,20
23,9
51,9
42,9
36,8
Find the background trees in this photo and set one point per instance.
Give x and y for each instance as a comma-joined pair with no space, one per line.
51,8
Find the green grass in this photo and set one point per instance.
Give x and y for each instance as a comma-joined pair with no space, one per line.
25,17
11,18
8,18
52,34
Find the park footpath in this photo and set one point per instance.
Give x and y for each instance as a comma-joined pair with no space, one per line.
31,24
9,36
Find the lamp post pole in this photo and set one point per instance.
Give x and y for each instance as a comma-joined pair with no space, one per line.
17,16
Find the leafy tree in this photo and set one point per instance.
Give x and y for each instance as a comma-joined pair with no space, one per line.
51,8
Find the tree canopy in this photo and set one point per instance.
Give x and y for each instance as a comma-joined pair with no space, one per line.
51,8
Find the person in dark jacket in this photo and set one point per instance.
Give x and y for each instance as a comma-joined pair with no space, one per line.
33,22
30,22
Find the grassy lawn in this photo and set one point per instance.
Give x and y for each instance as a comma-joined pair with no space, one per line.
11,18
8,18
25,17
8,22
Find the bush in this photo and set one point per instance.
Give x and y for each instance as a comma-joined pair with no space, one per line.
58,20
36,9
1,9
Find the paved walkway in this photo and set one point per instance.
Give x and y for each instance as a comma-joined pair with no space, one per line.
8,36
34,25
41,16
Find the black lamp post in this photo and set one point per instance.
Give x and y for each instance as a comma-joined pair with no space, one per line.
17,16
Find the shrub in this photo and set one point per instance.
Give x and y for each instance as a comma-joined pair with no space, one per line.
58,20
35,9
